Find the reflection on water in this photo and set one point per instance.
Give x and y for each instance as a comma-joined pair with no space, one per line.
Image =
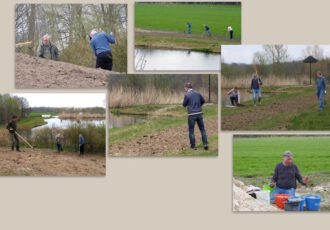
118,121
55,122
161,59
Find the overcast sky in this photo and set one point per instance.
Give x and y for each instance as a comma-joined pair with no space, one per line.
244,53
64,99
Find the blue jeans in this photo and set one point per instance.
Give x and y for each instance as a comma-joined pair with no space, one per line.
189,30
320,96
256,93
278,190
198,118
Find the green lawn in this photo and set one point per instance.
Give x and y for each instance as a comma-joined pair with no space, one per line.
174,17
255,158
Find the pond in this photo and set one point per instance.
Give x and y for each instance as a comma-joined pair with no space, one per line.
162,59
55,122
118,121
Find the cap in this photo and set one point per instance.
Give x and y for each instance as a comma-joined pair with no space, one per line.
287,154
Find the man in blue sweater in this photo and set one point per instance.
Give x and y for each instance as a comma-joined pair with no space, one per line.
256,88
285,177
100,43
81,145
194,101
321,89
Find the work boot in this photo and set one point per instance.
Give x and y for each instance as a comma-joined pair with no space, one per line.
193,148
206,147
12,148
17,149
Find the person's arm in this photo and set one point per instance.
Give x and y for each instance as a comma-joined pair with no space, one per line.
299,177
251,84
202,99
9,126
111,39
56,53
229,92
185,101
93,48
39,52
238,97
275,177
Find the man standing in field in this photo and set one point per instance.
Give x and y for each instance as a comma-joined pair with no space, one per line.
12,127
230,32
285,176
47,49
321,89
100,43
256,88
194,101
189,27
59,142
207,30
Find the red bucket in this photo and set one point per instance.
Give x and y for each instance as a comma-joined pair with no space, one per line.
280,199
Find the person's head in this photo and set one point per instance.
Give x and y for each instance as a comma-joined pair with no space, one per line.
235,88
14,117
46,39
319,74
92,33
187,86
287,158
255,75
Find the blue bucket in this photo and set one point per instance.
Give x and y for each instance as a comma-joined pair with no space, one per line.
302,201
313,202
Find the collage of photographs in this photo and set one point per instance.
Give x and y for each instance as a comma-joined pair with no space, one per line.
261,93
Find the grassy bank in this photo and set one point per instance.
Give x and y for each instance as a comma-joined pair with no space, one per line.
179,43
255,158
156,124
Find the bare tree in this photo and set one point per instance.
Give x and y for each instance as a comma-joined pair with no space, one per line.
315,51
276,53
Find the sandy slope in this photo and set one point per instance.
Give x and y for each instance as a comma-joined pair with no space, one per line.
34,72
44,162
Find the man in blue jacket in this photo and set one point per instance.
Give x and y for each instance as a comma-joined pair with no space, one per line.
189,27
321,89
100,43
81,144
194,101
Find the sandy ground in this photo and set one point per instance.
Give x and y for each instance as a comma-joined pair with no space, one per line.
181,35
45,162
260,113
168,140
243,202
34,72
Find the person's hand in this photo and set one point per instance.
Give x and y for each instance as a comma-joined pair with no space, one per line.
272,184
325,92
306,179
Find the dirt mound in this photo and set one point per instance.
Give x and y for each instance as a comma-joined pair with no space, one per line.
252,115
243,202
169,140
182,35
34,72
43,162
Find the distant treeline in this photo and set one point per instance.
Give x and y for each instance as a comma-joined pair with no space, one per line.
285,69
128,90
12,105
91,110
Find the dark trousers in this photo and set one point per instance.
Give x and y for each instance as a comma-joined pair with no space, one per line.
234,100
82,149
14,141
104,60
231,34
59,147
198,118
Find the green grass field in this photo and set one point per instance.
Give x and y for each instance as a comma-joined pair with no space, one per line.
173,17
255,158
